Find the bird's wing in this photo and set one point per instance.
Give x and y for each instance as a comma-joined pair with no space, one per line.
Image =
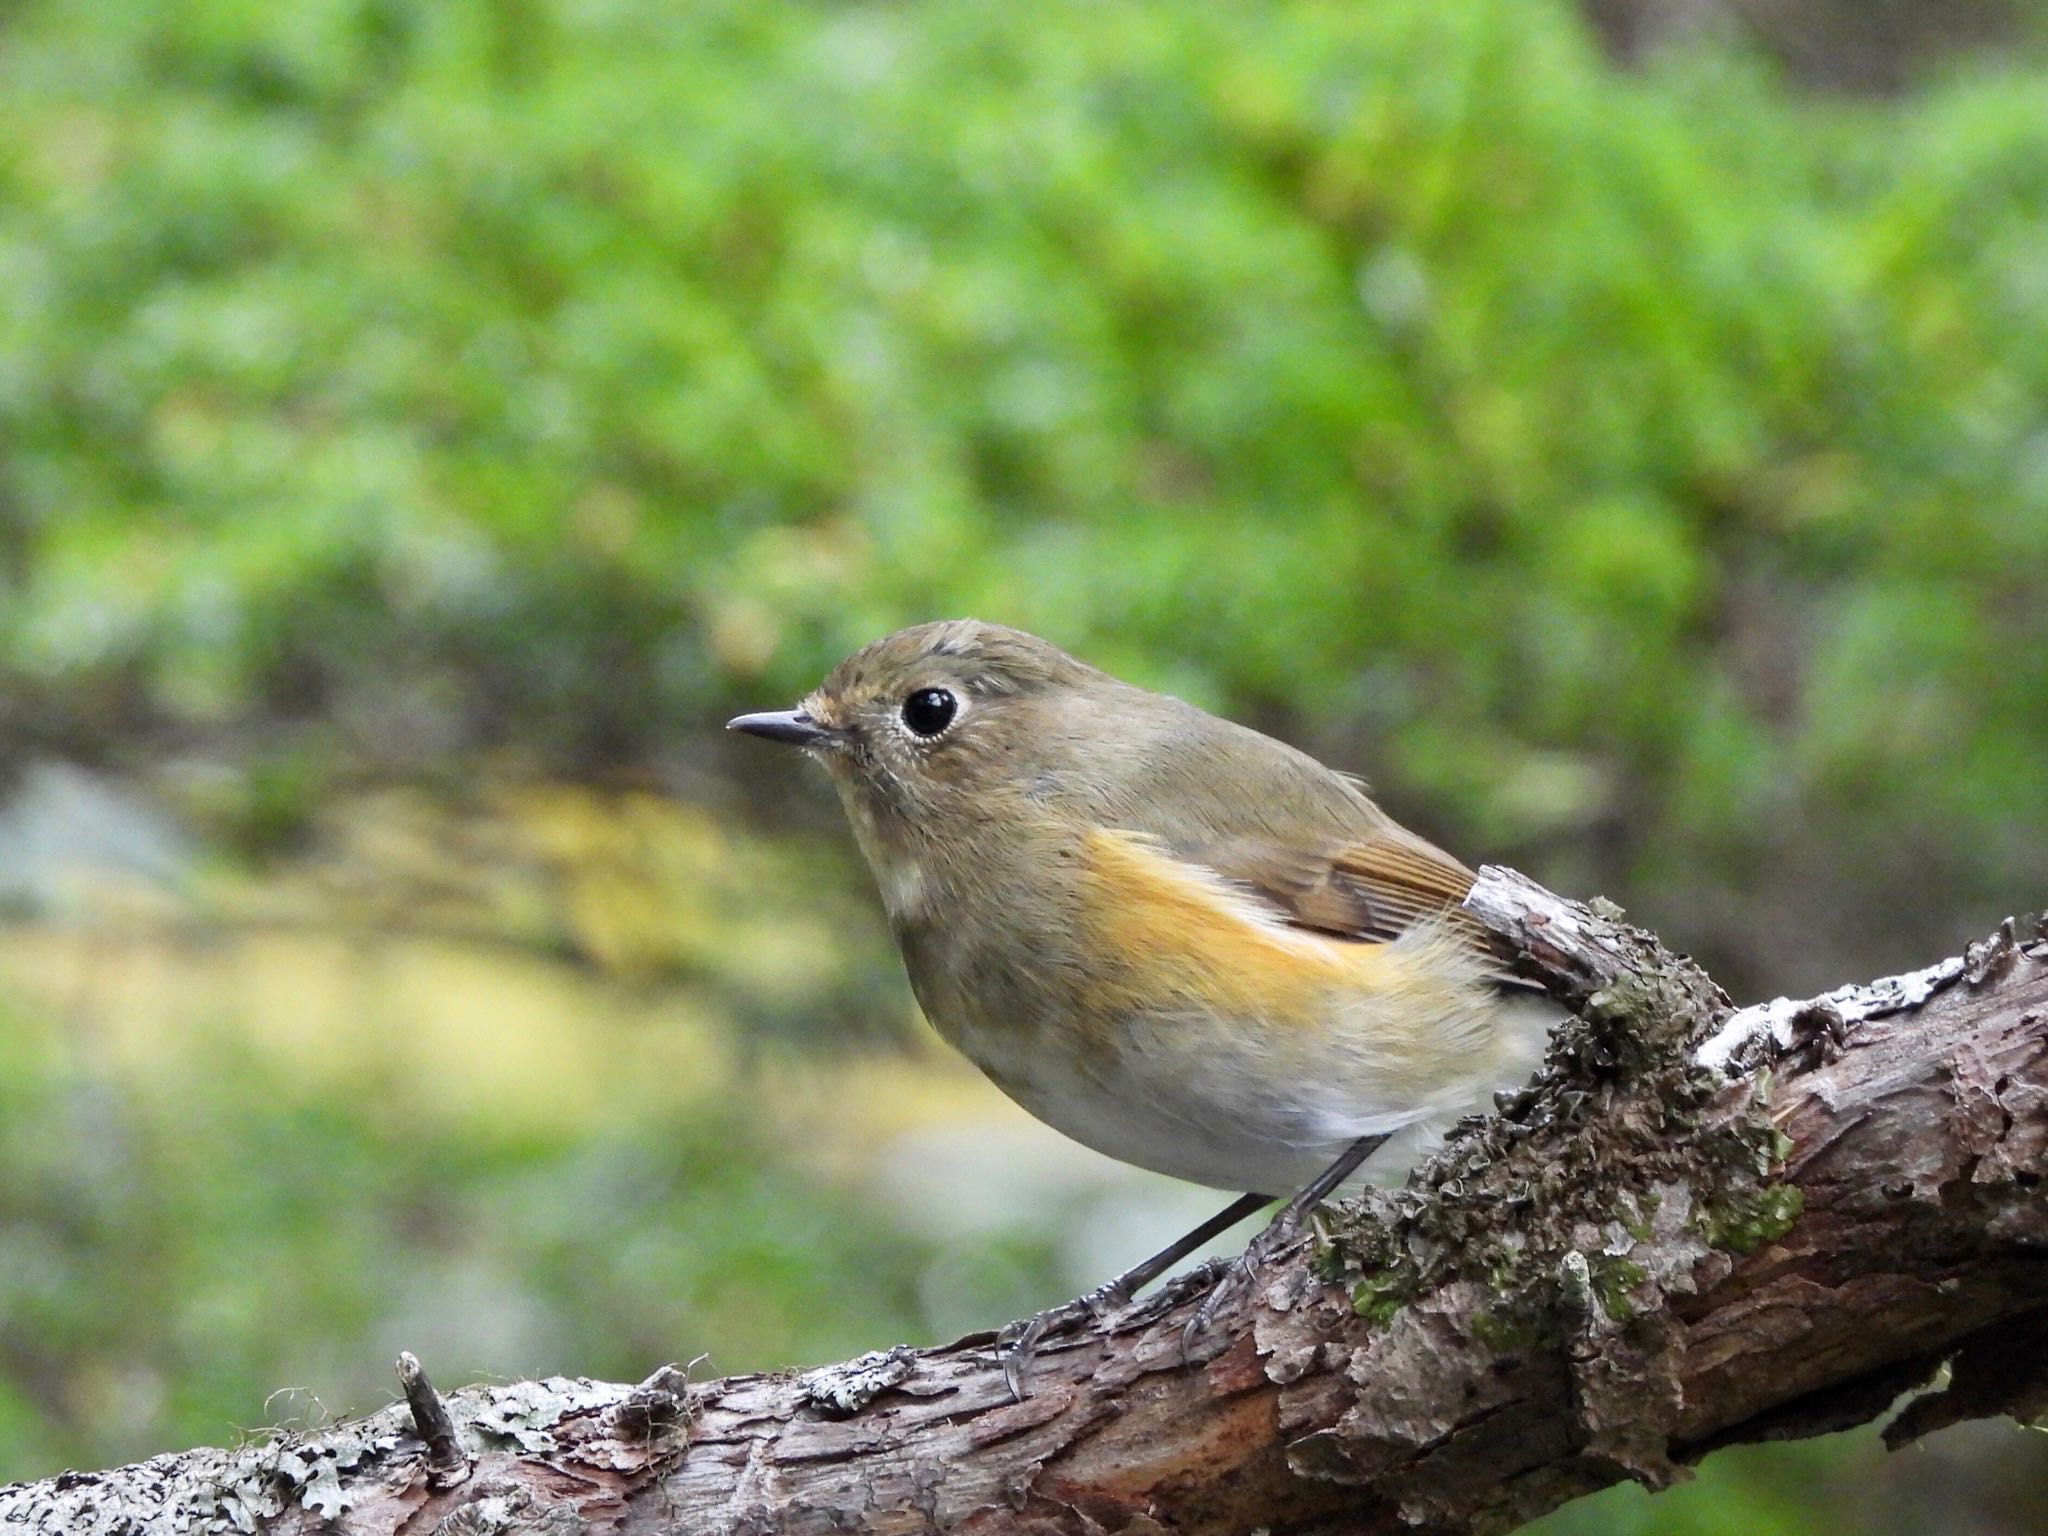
1308,842
1374,887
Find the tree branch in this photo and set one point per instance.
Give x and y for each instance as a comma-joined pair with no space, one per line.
1696,1227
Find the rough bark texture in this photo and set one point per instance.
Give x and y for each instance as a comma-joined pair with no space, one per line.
1697,1227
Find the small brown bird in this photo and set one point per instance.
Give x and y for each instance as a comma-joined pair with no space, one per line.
1180,942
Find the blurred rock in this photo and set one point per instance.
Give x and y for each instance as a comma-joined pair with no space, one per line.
67,832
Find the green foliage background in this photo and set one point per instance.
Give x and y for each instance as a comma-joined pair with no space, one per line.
1643,478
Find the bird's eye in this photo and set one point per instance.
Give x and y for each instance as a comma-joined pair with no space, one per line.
929,711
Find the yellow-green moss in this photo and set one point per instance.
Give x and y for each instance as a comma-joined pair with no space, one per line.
1743,1221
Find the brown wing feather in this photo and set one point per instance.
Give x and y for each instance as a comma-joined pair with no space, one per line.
1374,888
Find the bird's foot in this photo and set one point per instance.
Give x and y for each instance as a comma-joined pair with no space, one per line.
1177,1292
1017,1345
1275,1238
1279,1234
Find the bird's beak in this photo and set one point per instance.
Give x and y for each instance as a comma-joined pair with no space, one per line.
789,725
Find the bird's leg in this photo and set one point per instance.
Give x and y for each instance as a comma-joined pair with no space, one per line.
1282,1230
1019,1342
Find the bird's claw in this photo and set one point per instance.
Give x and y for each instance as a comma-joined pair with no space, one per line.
1017,1345
1275,1237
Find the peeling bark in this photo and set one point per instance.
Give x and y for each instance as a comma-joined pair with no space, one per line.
1697,1227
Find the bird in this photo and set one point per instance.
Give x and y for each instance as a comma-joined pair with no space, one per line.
1177,940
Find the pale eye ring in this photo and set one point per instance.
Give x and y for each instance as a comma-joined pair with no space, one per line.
928,711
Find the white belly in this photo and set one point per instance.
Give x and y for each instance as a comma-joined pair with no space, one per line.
1236,1109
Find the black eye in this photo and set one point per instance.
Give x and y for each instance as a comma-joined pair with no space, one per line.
929,711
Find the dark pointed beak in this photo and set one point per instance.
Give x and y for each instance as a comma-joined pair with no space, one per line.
789,725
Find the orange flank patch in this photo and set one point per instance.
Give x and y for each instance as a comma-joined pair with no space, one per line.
1188,937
